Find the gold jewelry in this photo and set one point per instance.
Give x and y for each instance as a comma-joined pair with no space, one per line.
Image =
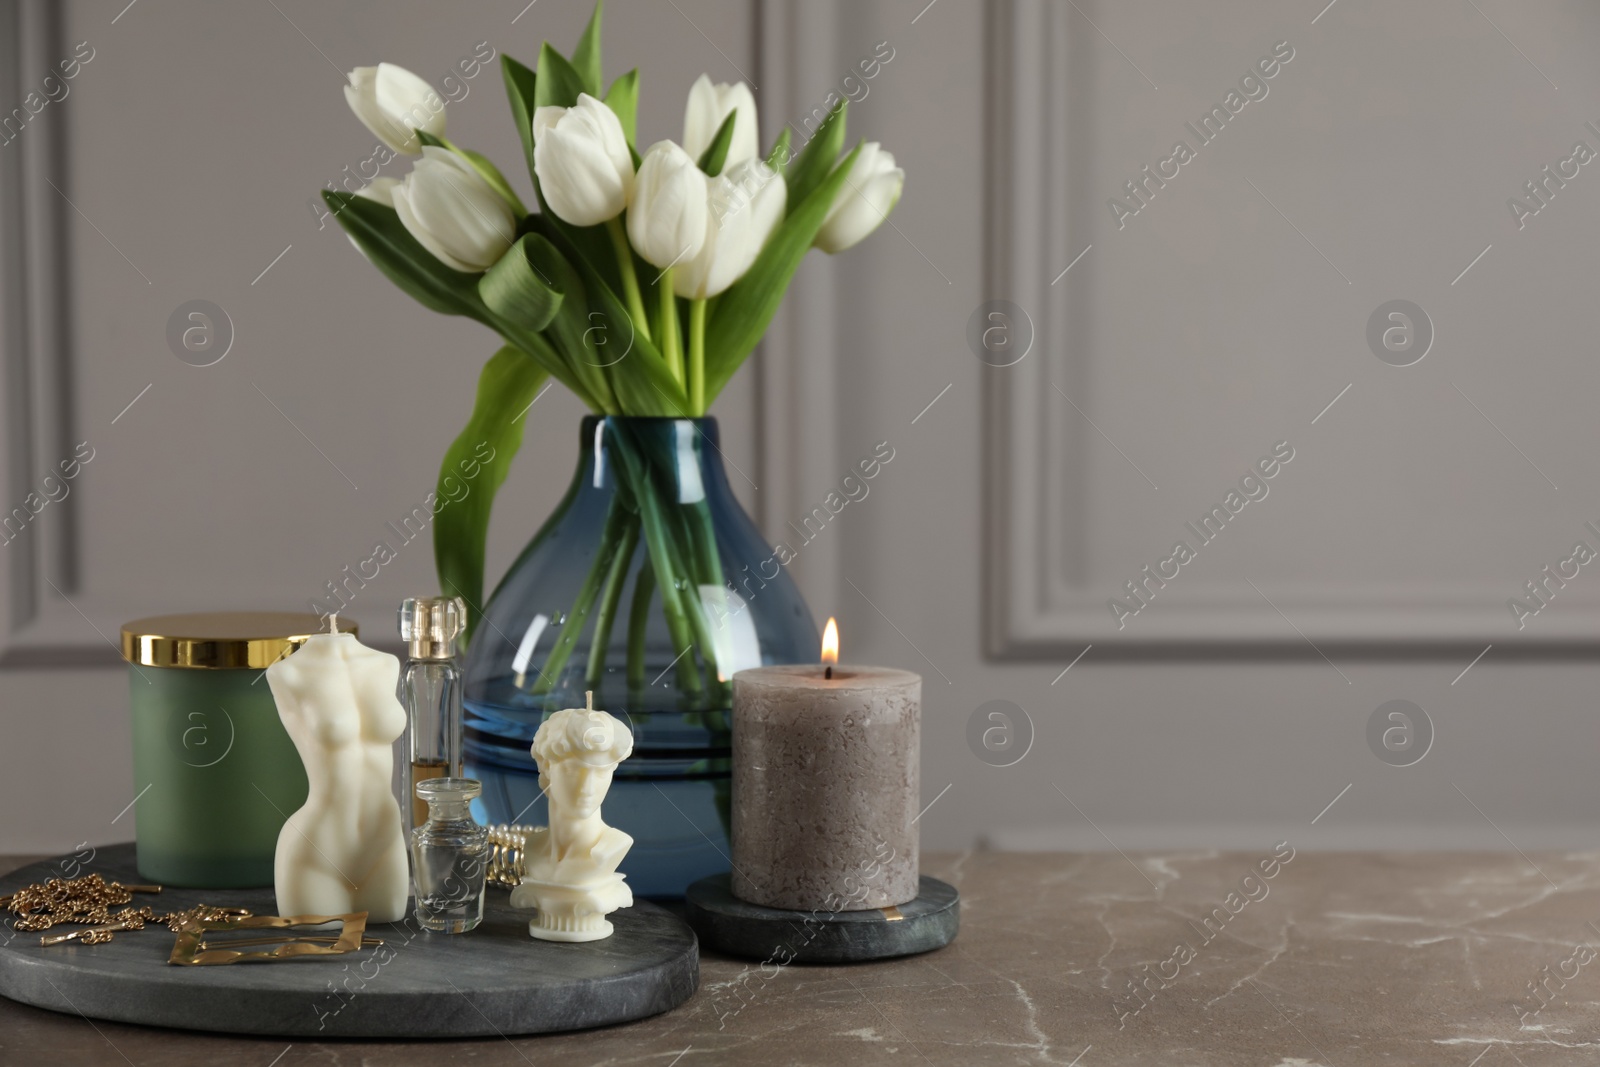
77,900
508,853
136,918
192,949
366,942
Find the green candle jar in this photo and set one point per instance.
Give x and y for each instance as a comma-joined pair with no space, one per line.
215,773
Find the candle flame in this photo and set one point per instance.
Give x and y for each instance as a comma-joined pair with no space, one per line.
830,642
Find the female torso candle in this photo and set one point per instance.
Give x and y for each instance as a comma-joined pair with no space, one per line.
343,851
825,786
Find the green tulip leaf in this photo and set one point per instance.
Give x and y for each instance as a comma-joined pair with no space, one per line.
517,288
817,158
645,386
638,374
586,59
554,364
588,243
572,329
623,99
716,153
778,158
522,299
559,84
741,314
378,231
507,387
521,86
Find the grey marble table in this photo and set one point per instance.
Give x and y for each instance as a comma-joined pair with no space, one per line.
1337,960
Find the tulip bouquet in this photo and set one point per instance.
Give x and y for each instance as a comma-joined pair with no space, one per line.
641,283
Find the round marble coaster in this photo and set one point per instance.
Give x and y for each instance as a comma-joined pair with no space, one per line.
494,980
738,928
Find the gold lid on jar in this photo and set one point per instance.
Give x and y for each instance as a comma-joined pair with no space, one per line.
221,640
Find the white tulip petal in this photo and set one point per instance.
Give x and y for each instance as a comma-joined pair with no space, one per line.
667,215
708,106
379,189
870,192
544,118
409,100
744,207
746,131
582,161
453,212
402,207
700,117
393,103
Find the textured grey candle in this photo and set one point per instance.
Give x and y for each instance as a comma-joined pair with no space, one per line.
825,787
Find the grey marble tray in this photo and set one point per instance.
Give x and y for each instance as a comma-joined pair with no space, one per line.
494,980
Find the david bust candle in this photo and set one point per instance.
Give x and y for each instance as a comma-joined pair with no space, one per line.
826,786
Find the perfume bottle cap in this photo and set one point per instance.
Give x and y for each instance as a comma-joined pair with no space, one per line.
430,625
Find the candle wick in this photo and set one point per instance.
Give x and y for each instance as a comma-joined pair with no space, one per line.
333,622
828,674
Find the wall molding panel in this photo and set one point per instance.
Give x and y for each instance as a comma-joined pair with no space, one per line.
1043,417
40,572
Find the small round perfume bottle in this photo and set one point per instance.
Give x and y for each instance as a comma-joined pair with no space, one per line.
450,857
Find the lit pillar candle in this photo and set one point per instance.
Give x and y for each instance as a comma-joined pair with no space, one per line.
826,785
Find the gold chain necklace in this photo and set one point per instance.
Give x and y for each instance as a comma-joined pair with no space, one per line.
88,901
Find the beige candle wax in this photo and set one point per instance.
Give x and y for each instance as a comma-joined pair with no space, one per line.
826,787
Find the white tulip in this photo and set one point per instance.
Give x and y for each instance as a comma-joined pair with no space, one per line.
744,206
667,215
453,212
870,192
380,190
581,157
709,105
394,103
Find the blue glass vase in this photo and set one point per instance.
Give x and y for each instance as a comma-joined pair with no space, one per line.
650,586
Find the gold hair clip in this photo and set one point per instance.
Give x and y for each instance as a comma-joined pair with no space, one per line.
193,950
366,942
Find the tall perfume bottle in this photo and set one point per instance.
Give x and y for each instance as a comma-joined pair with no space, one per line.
430,689
450,857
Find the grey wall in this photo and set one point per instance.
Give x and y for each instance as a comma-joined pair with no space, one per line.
1189,341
